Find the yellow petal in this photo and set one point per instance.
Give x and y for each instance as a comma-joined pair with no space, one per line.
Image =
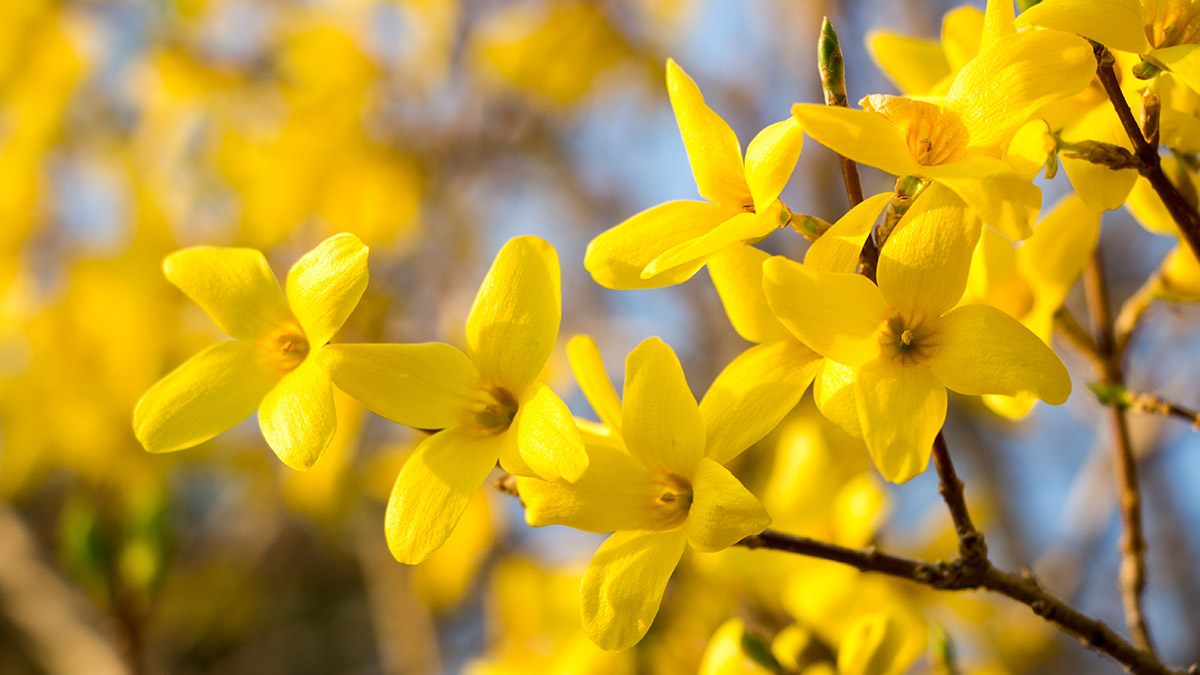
1013,408
1179,131
209,393
593,380
753,393
871,646
924,263
1183,61
514,322
770,159
1116,24
547,438
723,510
739,228
616,493
623,585
712,147
324,285
617,257
424,386
1099,186
297,416
962,30
997,21
1054,257
998,91
737,275
235,286
662,423
833,392
914,65
838,249
433,490
1029,149
865,137
982,350
835,314
1000,196
901,409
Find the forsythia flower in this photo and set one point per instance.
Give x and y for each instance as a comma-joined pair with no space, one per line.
272,364
488,403
904,343
664,487
960,141
667,244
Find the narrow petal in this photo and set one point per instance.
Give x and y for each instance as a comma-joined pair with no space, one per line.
433,490
835,314
617,257
1054,257
1116,24
723,510
624,584
1029,149
833,392
547,438
712,147
982,350
1183,61
514,322
1000,196
297,416
999,90
839,248
209,393
962,30
324,285
924,264
737,229
235,286
753,393
424,386
914,65
865,137
737,275
616,493
901,409
662,423
593,380
997,21
770,159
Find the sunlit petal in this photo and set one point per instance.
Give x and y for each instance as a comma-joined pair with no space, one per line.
865,137
770,159
514,322
623,585
425,386
433,490
1000,196
833,392
324,286
712,147
235,286
723,510
593,380
914,65
616,493
901,409
743,226
297,416
1116,24
547,438
661,421
209,393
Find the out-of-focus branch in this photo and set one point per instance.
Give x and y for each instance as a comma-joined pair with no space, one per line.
1133,543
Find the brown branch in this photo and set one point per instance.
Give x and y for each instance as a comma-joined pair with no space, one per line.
1144,402
1183,213
1069,328
971,546
1133,543
962,575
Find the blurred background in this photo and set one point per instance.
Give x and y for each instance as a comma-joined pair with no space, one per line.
435,130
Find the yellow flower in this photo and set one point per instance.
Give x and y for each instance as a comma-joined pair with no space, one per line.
902,341
488,403
960,141
659,488
272,364
668,243
1165,32
1030,282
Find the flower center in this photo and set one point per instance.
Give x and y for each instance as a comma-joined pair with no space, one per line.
933,135
1169,23
497,409
673,499
908,340
283,349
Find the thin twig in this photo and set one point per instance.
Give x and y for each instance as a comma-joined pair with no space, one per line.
971,546
1183,213
961,575
1069,328
1133,543
1111,394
